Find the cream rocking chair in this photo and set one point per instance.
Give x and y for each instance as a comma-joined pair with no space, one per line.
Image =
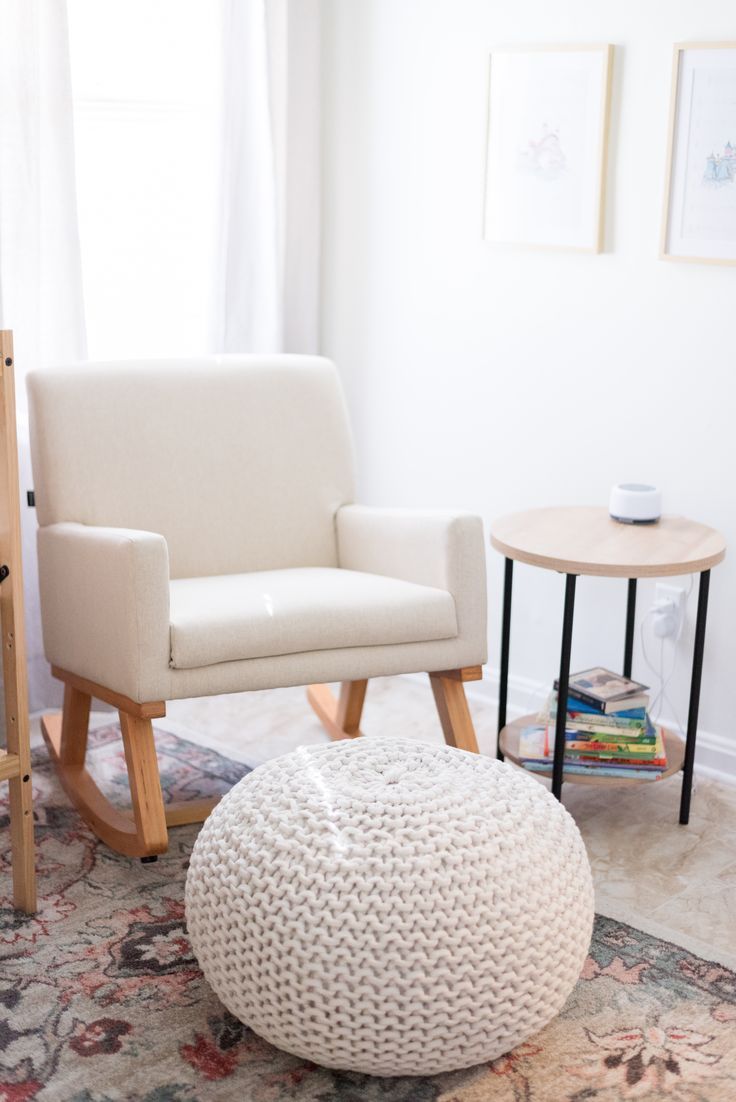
198,536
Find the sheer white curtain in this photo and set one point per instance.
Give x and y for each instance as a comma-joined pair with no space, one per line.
40,274
146,89
266,286
266,278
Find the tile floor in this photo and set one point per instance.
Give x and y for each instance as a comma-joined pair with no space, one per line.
676,882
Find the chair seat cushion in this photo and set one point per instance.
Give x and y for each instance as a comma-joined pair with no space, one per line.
231,617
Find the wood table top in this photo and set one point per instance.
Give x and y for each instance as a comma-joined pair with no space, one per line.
586,540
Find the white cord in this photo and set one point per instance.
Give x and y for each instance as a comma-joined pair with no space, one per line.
662,699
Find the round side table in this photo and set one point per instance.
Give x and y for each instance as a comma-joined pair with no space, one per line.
585,540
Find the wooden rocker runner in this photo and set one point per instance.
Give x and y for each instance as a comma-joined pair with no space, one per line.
215,548
143,831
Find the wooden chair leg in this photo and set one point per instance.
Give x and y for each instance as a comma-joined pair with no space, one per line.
452,705
340,718
74,726
141,832
145,783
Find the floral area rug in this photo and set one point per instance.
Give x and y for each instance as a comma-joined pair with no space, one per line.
102,1001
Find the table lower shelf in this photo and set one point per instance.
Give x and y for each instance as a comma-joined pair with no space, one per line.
509,743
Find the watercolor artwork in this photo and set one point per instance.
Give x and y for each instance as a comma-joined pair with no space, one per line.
545,164
700,201
544,156
720,168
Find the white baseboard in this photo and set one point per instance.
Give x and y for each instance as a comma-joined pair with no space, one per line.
715,755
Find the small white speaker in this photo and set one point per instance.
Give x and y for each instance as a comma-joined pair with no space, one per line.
635,503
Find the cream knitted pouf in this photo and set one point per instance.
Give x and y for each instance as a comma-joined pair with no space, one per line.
390,907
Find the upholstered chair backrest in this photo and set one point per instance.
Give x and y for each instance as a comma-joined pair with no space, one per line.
240,462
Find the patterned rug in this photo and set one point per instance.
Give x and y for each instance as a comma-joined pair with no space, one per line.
103,1002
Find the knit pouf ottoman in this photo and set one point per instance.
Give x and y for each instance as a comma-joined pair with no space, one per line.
390,907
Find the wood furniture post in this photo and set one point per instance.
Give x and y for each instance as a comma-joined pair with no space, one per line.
74,726
142,831
145,783
341,718
448,688
15,764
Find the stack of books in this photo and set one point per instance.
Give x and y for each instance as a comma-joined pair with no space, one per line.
607,730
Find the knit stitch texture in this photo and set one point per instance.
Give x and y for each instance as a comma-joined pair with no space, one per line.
390,907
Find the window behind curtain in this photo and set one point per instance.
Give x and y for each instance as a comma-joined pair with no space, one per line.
146,85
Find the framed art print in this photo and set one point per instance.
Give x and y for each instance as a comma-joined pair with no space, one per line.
699,222
548,109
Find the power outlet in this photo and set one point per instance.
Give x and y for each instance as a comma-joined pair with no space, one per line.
668,610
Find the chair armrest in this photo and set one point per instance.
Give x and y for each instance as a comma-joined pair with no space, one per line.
105,605
441,549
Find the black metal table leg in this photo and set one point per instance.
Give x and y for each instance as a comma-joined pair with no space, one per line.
630,617
692,715
503,686
563,682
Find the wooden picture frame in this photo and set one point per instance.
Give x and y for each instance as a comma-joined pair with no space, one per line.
700,175
547,150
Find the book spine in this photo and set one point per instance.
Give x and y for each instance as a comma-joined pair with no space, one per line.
620,753
591,725
604,771
598,734
621,761
592,737
615,714
605,739
626,761
599,719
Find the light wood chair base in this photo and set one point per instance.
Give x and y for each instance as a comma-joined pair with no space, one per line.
143,830
341,718
116,828
448,689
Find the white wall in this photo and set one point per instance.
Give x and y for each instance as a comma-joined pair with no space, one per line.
501,380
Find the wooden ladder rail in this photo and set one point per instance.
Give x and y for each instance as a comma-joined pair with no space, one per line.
15,761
